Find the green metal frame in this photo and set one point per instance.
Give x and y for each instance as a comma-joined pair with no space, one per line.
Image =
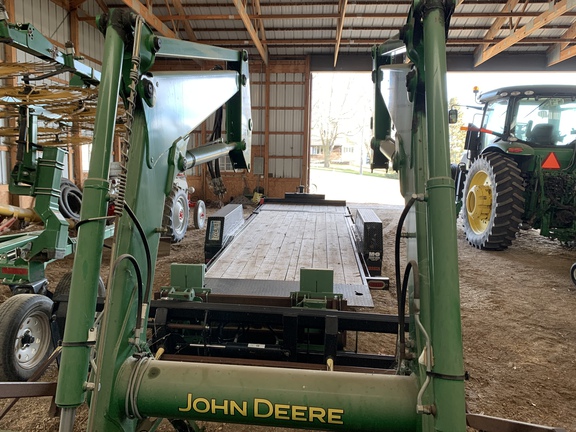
127,384
27,38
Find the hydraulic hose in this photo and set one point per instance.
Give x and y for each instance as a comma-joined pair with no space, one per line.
401,304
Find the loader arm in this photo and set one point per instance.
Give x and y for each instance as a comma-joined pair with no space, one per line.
126,383
162,110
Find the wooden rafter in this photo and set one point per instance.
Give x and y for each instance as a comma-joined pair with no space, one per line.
170,13
251,31
495,28
259,22
102,5
364,41
540,21
149,17
278,16
75,4
341,15
64,4
562,51
187,27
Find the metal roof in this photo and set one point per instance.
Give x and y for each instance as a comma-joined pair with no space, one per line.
481,30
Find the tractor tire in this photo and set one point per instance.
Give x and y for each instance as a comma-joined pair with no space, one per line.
63,287
199,218
493,202
573,273
176,215
25,335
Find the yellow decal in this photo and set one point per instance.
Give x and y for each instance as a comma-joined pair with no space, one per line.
263,408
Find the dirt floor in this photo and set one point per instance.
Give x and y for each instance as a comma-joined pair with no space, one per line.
518,329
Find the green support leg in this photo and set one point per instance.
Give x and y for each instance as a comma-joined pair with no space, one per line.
86,271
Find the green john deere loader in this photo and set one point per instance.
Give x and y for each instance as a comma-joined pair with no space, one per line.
519,166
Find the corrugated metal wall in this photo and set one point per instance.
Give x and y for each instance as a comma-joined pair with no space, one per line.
90,38
287,109
281,110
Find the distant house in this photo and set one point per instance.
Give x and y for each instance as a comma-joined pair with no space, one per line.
344,152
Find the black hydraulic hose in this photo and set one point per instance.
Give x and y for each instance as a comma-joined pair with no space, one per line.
407,207
146,251
217,167
138,279
211,170
411,266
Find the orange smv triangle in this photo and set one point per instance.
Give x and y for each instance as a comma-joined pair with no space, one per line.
551,162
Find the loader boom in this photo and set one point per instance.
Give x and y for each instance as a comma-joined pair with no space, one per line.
126,384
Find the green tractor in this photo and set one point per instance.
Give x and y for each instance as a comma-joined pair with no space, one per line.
519,166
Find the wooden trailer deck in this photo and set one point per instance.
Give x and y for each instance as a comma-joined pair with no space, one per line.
266,257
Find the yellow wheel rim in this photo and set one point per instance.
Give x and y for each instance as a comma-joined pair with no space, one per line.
479,202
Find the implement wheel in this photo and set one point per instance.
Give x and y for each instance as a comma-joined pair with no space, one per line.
176,214
199,214
25,335
493,202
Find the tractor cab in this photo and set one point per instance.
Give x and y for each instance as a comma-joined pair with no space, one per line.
540,116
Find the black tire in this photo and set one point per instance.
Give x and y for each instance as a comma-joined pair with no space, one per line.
25,335
573,273
199,218
458,176
176,215
493,202
63,287
70,200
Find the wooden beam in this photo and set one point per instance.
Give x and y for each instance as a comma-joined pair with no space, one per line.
64,4
75,156
364,42
250,29
228,17
561,51
267,103
307,121
495,28
540,21
10,56
74,4
340,26
149,17
260,23
557,55
388,28
187,27
103,6
499,22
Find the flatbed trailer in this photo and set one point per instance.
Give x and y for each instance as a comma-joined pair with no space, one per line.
284,236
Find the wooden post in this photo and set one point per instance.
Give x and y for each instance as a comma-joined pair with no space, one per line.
305,178
266,127
76,171
10,57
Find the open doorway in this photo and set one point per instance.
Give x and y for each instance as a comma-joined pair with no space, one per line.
342,104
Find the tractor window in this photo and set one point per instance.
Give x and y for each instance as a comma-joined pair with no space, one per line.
494,120
546,120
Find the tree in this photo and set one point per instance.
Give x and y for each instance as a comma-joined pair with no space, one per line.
457,136
341,108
